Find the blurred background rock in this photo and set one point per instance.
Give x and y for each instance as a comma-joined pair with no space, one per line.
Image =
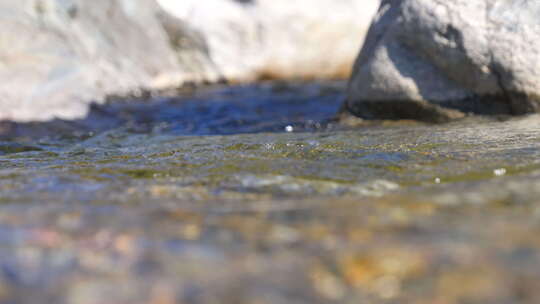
57,57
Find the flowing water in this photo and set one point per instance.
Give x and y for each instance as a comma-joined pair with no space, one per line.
254,194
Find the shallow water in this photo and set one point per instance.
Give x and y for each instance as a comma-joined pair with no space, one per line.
253,194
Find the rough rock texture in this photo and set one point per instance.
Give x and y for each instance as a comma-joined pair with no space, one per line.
436,60
57,56
250,40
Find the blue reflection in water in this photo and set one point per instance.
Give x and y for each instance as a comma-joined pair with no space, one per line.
266,107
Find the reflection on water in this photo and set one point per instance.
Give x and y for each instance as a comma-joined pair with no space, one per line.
270,107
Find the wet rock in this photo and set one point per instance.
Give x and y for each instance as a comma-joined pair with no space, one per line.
438,60
278,39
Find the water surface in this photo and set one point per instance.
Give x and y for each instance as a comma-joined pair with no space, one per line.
254,194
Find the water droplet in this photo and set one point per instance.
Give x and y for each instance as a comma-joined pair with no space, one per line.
499,172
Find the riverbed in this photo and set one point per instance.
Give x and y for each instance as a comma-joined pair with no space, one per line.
256,194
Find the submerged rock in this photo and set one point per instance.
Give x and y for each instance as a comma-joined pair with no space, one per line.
405,213
438,60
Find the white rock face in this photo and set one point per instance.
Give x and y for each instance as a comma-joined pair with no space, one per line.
250,40
436,60
58,56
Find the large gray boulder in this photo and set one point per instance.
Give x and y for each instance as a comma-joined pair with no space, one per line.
58,56
436,60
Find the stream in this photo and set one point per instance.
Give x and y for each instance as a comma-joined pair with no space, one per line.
255,194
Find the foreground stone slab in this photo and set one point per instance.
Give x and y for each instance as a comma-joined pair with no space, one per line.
438,60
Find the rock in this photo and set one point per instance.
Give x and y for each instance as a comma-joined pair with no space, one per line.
63,55
278,39
438,60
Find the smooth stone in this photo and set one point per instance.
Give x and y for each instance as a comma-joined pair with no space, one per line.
440,60
278,39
